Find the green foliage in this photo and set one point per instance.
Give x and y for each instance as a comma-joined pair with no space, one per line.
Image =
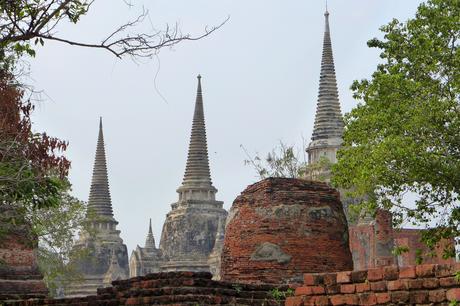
281,295
453,303
457,276
285,161
403,137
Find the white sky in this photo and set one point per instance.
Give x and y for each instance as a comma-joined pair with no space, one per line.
260,82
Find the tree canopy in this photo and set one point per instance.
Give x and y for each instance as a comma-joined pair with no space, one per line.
403,139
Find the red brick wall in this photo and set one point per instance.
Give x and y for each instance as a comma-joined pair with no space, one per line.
19,274
414,285
372,244
411,238
174,288
280,228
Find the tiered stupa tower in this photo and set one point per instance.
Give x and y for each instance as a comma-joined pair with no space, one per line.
329,125
190,229
107,255
147,259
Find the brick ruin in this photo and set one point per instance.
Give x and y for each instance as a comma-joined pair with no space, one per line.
373,240
428,284
19,274
170,288
279,228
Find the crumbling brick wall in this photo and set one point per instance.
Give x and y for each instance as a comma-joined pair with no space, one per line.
19,273
172,288
280,228
428,284
372,244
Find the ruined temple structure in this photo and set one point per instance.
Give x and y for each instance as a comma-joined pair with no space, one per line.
190,236
372,241
20,277
107,258
147,259
189,232
280,228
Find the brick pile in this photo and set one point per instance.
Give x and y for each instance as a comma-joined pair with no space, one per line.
428,284
172,288
280,228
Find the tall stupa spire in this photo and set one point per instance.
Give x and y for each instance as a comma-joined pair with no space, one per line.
328,120
99,201
329,125
197,171
150,241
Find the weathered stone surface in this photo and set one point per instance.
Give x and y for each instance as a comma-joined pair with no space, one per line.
278,229
19,274
189,231
147,259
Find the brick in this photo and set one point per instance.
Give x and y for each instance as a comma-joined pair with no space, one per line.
375,274
321,300
390,273
330,278
415,283
399,296
407,272
363,287
312,279
430,283
347,288
333,289
397,285
418,297
383,298
344,277
358,276
444,270
344,299
437,296
379,286
447,282
367,299
294,301
309,290
453,294
425,270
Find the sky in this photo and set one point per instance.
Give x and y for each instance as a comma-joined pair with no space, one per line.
260,84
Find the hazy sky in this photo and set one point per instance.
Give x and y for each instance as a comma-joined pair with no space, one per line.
260,83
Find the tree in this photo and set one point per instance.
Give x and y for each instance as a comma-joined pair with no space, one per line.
32,168
403,138
26,23
285,161
55,228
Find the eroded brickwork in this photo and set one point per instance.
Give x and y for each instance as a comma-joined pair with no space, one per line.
414,285
19,274
173,288
372,242
280,228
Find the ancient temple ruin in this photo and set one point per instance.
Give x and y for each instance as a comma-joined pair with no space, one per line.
107,258
147,259
190,240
